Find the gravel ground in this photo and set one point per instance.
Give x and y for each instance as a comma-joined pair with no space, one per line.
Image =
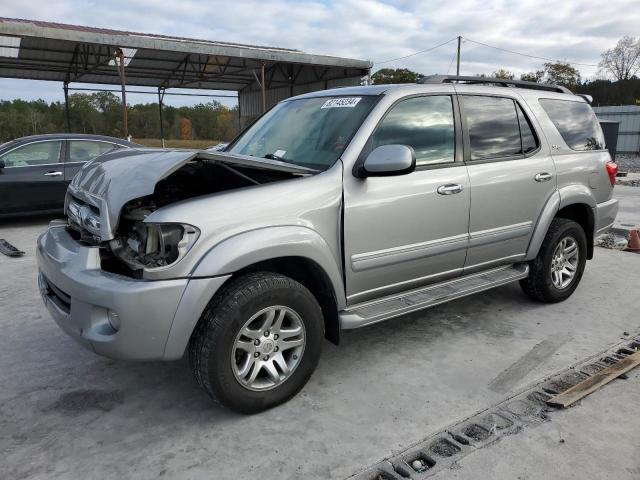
628,162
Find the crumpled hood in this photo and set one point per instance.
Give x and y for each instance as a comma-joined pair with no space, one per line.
113,179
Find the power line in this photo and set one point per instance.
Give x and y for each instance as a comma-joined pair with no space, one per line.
455,54
416,53
528,55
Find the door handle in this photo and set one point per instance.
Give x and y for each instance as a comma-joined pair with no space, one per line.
543,177
53,174
449,189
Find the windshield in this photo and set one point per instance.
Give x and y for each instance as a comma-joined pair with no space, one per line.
310,132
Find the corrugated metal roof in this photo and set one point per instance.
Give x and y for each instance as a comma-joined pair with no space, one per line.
107,31
80,54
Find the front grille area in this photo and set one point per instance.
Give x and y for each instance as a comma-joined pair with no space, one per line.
57,296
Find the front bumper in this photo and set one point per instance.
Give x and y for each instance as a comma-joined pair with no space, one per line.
153,319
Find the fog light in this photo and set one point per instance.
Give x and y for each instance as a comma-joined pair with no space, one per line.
114,320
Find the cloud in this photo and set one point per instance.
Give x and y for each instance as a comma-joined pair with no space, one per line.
375,30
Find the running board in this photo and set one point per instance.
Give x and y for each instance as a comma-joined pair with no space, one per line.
375,311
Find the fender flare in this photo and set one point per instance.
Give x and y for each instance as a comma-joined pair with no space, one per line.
576,193
254,246
559,199
544,221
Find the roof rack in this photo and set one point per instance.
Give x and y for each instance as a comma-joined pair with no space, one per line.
505,82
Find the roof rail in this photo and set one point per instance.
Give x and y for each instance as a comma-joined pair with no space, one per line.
505,82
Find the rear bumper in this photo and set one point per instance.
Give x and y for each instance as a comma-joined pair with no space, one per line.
112,315
605,214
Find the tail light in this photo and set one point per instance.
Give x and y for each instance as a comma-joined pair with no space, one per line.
612,171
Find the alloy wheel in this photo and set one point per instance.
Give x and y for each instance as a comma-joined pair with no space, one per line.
268,348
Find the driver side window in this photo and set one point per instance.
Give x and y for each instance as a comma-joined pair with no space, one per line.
424,123
39,153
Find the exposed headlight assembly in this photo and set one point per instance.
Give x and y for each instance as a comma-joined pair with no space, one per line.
155,246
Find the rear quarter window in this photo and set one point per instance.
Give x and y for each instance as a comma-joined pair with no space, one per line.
576,123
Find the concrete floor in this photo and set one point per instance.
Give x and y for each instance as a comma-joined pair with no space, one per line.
629,211
599,438
66,413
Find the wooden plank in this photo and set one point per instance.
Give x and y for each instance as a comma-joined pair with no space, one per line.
591,384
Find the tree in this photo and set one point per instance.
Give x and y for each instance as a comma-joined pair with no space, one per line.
536,76
502,73
398,75
623,61
561,73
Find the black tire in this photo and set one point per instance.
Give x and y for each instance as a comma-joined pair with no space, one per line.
538,285
211,344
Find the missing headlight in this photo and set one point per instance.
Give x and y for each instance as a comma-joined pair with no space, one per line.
154,246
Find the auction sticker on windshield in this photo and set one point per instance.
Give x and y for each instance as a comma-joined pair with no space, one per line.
342,102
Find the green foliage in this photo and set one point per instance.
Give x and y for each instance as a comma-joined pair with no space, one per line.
502,73
397,75
533,76
606,92
561,73
101,113
556,73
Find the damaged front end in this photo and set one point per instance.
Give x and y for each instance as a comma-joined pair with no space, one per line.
151,246
111,211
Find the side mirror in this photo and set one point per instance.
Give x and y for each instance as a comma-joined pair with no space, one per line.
2,164
388,160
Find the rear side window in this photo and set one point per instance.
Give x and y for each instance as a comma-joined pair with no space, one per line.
493,126
85,150
423,123
576,122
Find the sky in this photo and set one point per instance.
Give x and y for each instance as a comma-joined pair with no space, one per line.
569,30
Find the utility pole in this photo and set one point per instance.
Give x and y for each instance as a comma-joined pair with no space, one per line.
458,62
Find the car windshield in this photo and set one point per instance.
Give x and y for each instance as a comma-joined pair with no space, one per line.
310,132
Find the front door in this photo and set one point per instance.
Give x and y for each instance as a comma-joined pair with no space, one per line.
512,176
33,178
409,230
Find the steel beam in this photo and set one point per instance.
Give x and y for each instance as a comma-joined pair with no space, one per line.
160,99
120,64
65,87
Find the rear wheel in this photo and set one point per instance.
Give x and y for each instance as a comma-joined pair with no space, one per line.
258,342
556,271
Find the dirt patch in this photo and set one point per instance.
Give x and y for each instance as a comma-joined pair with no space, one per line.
495,421
444,448
80,401
476,432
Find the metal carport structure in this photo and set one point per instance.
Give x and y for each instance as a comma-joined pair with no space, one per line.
261,76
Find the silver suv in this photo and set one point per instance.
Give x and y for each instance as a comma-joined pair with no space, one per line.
334,210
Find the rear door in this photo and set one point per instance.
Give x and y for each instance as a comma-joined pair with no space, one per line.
81,151
33,178
409,230
512,176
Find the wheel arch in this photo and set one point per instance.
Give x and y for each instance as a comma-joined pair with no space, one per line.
308,273
574,202
583,215
295,251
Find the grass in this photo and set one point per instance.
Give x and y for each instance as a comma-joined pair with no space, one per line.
155,142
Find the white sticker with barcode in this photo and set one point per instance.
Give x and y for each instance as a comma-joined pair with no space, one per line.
342,102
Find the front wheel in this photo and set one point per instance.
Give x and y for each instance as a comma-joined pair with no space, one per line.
257,342
556,271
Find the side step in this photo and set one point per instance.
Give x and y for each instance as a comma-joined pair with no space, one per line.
375,311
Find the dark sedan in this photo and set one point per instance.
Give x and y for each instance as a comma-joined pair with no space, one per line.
35,171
